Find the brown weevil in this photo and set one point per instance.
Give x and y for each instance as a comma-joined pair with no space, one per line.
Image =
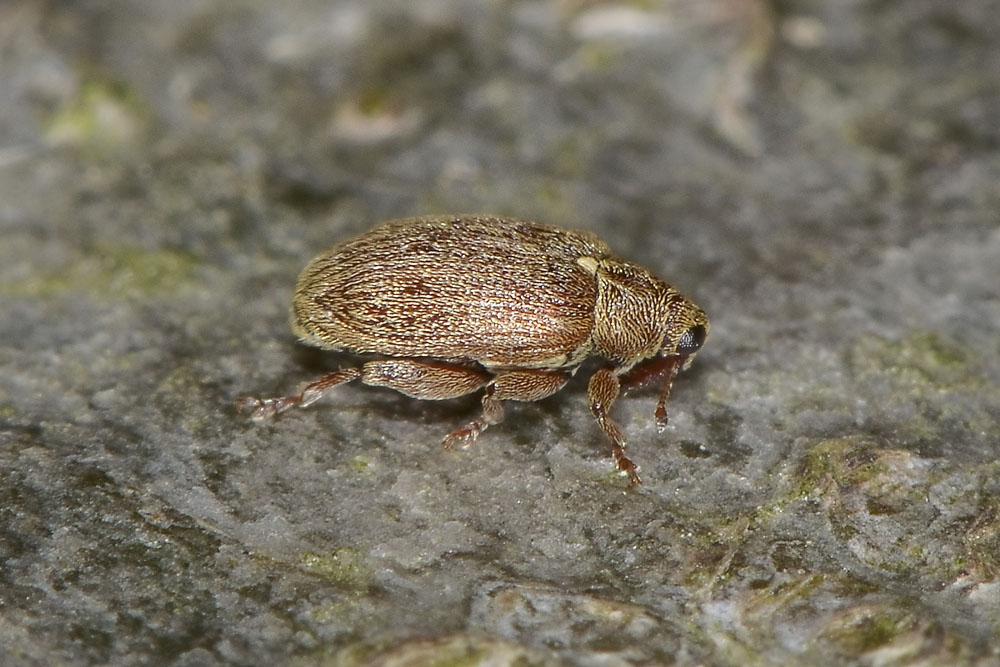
450,305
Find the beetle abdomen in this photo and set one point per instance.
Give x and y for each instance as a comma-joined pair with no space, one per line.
495,290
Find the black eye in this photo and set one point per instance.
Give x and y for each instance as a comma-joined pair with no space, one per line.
692,340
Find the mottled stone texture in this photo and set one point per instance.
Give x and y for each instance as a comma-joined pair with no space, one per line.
822,177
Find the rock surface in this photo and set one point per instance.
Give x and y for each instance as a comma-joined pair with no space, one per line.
821,177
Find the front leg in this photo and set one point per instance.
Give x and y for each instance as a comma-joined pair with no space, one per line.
603,391
650,371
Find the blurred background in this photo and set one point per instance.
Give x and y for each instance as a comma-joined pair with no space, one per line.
823,178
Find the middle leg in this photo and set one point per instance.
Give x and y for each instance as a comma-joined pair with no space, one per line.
522,385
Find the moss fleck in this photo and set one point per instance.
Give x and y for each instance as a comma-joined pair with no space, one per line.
343,567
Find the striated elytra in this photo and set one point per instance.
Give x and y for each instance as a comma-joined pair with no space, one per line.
449,305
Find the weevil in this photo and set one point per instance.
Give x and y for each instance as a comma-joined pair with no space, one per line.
451,305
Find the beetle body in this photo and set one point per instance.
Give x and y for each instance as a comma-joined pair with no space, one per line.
455,304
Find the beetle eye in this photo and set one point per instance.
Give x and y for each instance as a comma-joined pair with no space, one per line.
692,340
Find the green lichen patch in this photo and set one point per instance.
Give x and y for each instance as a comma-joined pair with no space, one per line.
104,117
890,633
114,272
838,462
923,390
598,624
982,541
898,512
451,651
919,363
343,567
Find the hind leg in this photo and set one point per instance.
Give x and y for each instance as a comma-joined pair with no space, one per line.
526,385
419,379
262,408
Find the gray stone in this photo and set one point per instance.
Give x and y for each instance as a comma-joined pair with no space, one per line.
820,177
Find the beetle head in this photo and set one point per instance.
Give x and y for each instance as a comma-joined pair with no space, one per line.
638,316
687,329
